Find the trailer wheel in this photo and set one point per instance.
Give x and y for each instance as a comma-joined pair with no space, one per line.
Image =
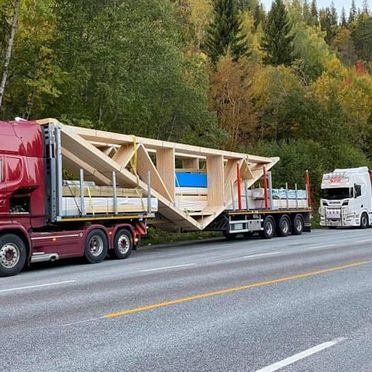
298,225
13,255
123,244
284,226
268,231
96,245
364,221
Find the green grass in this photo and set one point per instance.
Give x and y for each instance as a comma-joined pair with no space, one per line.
156,236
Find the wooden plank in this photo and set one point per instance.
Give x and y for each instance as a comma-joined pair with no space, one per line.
165,164
191,191
74,164
145,165
215,174
229,177
116,138
124,155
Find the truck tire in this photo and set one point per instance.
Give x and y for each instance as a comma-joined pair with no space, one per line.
284,225
268,231
123,244
13,255
364,222
298,225
95,249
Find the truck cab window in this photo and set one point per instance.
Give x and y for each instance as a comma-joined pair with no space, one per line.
358,190
20,204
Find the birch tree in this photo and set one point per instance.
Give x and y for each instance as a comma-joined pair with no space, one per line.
8,52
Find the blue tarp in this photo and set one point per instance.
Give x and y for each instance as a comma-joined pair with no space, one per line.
191,179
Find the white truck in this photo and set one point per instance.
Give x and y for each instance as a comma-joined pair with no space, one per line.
346,198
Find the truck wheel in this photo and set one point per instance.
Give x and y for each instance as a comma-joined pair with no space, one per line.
268,231
298,225
95,249
284,226
13,255
123,244
364,221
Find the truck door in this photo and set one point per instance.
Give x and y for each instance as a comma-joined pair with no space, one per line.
3,197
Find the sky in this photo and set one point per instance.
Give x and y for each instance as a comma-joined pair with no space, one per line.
324,3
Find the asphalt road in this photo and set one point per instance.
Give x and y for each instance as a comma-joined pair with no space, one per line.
298,303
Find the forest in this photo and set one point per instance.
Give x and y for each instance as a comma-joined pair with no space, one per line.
293,81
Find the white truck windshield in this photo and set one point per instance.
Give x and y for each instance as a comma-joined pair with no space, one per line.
337,193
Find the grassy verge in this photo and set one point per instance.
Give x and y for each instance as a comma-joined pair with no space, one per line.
156,236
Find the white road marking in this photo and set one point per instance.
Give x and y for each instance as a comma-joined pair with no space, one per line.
302,355
321,246
364,241
168,267
261,254
36,286
80,321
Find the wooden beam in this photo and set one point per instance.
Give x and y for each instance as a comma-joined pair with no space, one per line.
165,164
229,176
145,165
73,164
215,176
124,155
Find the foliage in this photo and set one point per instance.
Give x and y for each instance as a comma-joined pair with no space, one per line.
362,38
230,98
224,33
278,38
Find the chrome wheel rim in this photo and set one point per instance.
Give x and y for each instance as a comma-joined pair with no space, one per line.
285,226
298,225
269,228
123,244
9,255
96,245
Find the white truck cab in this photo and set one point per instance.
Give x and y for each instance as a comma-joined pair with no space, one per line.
346,198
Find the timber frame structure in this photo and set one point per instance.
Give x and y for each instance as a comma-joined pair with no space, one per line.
135,160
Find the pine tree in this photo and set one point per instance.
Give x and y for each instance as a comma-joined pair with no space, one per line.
224,34
328,23
306,13
278,38
258,15
314,13
353,13
365,7
333,15
343,18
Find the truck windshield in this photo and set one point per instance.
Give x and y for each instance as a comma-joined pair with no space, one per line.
337,193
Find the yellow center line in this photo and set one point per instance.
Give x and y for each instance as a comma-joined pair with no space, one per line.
231,290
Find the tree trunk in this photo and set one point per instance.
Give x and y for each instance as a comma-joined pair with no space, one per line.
8,53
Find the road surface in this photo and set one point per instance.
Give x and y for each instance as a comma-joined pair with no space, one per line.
296,304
